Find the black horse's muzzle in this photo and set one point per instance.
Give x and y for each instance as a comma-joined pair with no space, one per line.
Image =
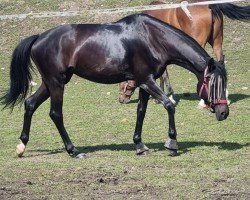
221,111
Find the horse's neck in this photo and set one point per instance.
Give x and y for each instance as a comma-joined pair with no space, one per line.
189,61
186,53
178,46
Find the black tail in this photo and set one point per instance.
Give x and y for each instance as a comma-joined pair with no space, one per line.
20,75
231,11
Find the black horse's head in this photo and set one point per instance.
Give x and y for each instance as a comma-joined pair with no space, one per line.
213,88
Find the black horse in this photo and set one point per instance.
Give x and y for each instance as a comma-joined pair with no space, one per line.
137,47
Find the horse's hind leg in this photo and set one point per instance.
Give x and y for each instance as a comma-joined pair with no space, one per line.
153,89
57,117
217,49
31,104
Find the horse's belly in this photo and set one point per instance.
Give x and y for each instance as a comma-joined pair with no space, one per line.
101,73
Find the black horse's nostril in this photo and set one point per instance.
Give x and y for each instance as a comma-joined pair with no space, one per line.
224,115
121,99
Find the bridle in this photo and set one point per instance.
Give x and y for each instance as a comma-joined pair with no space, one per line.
204,86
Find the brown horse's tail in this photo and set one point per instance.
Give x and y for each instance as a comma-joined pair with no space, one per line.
20,75
231,11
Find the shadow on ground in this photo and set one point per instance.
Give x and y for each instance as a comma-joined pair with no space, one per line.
184,147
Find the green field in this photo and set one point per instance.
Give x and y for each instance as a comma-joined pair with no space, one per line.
213,160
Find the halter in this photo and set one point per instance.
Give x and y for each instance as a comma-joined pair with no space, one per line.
128,93
204,86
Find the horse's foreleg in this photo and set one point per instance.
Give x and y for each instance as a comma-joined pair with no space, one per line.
141,149
31,104
57,117
153,89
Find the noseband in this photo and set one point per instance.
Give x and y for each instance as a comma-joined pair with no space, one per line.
204,86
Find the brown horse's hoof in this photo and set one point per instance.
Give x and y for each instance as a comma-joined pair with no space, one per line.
20,148
202,105
141,149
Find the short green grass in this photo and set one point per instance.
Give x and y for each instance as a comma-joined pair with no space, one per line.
213,161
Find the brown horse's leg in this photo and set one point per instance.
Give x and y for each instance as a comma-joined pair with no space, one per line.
141,149
217,44
164,81
31,104
57,117
217,47
170,91
153,89
216,38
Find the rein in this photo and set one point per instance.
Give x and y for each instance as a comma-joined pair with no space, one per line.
204,86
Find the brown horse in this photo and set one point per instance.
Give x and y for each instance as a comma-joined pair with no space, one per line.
206,26
137,47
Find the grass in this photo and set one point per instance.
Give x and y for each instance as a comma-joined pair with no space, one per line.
213,161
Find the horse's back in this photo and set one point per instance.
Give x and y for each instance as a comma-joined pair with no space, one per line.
199,27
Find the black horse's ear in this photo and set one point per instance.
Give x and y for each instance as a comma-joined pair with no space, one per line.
210,64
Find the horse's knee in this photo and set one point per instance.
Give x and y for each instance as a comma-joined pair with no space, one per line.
29,107
55,116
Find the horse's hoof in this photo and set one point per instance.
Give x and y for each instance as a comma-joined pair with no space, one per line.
202,104
20,148
75,153
171,144
172,152
172,147
144,153
141,149
81,156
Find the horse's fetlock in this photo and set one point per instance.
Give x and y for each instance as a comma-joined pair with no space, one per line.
70,148
172,134
137,139
24,139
